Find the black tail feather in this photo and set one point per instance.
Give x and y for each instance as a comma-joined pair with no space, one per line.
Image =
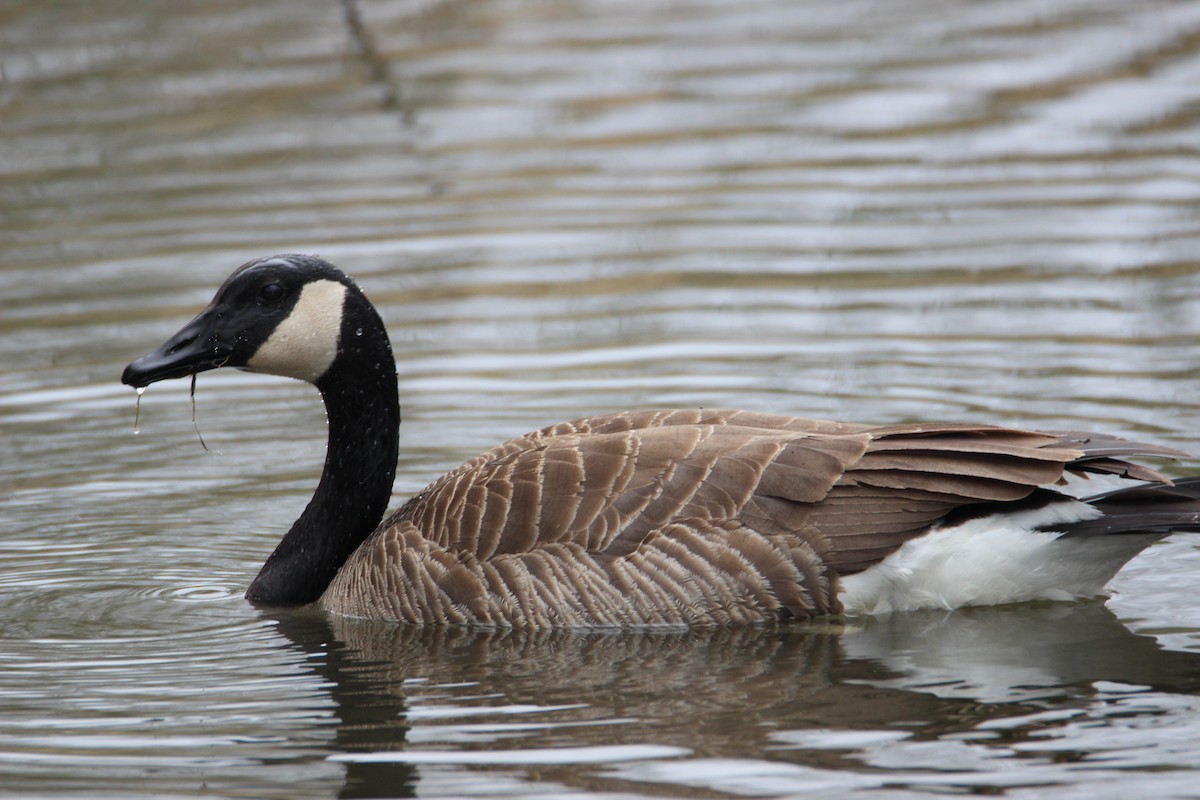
1152,508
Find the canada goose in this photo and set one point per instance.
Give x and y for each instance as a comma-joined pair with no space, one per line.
691,517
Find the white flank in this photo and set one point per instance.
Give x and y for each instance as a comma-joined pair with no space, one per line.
305,344
991,561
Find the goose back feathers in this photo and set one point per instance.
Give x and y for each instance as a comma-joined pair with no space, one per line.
691,517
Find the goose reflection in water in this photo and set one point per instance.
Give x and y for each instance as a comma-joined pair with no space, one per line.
410,698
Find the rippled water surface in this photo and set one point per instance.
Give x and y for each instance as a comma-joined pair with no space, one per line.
868,210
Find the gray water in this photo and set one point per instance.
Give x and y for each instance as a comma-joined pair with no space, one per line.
875,210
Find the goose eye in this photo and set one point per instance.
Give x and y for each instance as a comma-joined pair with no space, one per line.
270,293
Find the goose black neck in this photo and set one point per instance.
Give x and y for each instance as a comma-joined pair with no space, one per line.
363,409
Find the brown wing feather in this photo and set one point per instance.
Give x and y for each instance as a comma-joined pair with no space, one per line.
605,483
656,517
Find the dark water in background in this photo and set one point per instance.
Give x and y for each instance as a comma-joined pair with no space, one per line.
875,211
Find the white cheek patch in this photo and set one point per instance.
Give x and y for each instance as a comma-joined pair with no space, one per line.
305,344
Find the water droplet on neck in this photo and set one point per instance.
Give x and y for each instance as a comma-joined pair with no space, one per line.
358,331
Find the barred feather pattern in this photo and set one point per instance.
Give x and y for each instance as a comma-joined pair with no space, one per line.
688,518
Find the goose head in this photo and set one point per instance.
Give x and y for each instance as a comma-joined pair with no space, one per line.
302,317
290,315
